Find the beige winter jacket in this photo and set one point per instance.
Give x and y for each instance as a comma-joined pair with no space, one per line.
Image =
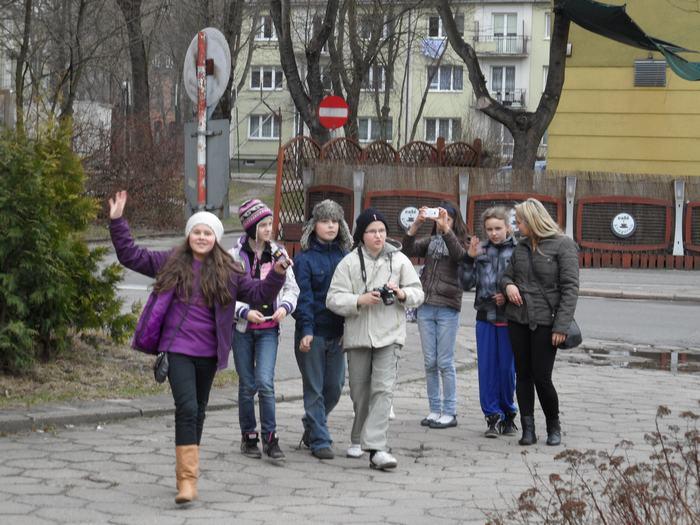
378,325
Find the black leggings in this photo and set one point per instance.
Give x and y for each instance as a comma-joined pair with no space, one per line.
534,360
190,381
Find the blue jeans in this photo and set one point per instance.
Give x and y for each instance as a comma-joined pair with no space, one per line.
255,355
438,334
323,375
496,369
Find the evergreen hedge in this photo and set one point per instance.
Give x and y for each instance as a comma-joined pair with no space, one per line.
51,284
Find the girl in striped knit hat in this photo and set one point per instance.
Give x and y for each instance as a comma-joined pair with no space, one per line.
256,335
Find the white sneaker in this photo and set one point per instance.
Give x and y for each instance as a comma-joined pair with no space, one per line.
433,416
354,451
391,413
382,460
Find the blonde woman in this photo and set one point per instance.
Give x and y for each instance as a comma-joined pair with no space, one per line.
545,261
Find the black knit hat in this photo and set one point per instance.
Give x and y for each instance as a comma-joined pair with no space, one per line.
363,220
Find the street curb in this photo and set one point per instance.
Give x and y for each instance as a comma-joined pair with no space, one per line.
108,411
640,296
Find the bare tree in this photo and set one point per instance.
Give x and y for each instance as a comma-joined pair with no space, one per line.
526,127
131,10
21,66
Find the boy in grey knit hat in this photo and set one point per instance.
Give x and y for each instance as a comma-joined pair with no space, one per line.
318,335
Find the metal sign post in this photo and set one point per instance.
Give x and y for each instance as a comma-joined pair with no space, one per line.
201,120
206,70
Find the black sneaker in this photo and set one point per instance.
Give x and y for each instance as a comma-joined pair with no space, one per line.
323,453
271,447
492,422
249,445
507,426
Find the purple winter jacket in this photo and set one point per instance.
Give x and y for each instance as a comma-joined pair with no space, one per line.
149,263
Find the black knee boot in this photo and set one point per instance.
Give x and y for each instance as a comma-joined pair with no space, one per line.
529,437
553,432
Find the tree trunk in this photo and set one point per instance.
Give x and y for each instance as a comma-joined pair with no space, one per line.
131,9
527,128
19,70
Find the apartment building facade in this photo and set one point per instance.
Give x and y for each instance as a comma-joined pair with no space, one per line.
431,95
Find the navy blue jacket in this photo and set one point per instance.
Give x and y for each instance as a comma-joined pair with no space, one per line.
313,269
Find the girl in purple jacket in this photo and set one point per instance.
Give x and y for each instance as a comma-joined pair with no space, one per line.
196,331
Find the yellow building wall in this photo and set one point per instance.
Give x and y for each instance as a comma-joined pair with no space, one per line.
605,123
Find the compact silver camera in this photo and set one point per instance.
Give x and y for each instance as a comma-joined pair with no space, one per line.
432,213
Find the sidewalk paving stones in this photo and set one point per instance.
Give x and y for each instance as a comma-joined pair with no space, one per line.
122,472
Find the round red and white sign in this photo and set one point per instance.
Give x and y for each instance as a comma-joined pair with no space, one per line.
333,112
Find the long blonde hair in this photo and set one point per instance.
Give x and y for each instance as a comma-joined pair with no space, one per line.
537,218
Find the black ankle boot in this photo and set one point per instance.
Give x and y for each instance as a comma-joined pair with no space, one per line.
553,432
529,437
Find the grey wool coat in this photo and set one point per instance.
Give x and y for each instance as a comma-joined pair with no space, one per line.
555,262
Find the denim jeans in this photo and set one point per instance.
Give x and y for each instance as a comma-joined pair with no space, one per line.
255,356
438,326
496,369
190,381
323,375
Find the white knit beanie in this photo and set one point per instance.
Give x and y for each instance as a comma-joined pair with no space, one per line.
208,219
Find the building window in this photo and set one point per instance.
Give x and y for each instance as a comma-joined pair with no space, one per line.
265,78
264,127
368,25
375,79
370,129
435,29
446,78
649,73
505,32
448,128
266,31
502,82
547,26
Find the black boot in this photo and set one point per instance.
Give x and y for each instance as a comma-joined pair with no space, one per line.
249,445
271,447
492,423
529,437
507,427
553,432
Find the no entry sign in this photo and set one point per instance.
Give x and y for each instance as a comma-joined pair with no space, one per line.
333,112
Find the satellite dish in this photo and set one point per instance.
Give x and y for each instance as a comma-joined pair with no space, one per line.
217,49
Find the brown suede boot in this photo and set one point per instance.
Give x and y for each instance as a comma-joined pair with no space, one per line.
186,472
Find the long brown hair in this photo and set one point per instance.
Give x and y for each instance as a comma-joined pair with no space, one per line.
215,275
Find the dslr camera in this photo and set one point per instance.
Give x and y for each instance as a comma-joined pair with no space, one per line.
387,294
279,254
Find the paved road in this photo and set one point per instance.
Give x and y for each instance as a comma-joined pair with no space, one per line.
123,472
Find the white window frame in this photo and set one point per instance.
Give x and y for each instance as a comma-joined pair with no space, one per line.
435,83
505,16
437,120
459,20
368,83
261,70
260,34
373,122
548,25
364,29
261,121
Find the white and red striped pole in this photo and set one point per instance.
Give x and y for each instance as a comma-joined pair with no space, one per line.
201,120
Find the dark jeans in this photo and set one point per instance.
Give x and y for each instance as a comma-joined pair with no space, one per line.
534,360
190,381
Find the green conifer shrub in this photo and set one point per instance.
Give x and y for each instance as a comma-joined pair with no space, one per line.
51,284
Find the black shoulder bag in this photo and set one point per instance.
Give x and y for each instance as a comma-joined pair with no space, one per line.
573,333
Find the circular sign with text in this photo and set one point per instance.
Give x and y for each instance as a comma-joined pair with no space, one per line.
623,225
407,217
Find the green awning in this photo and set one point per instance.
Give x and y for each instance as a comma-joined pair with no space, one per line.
612,21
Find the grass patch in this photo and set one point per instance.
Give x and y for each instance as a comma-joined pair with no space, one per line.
93,369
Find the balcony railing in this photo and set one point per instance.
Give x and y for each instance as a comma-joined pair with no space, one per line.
513,97
500,45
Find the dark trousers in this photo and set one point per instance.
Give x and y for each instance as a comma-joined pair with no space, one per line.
190,381
534,360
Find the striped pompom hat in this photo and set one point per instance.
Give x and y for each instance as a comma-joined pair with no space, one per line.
251,212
